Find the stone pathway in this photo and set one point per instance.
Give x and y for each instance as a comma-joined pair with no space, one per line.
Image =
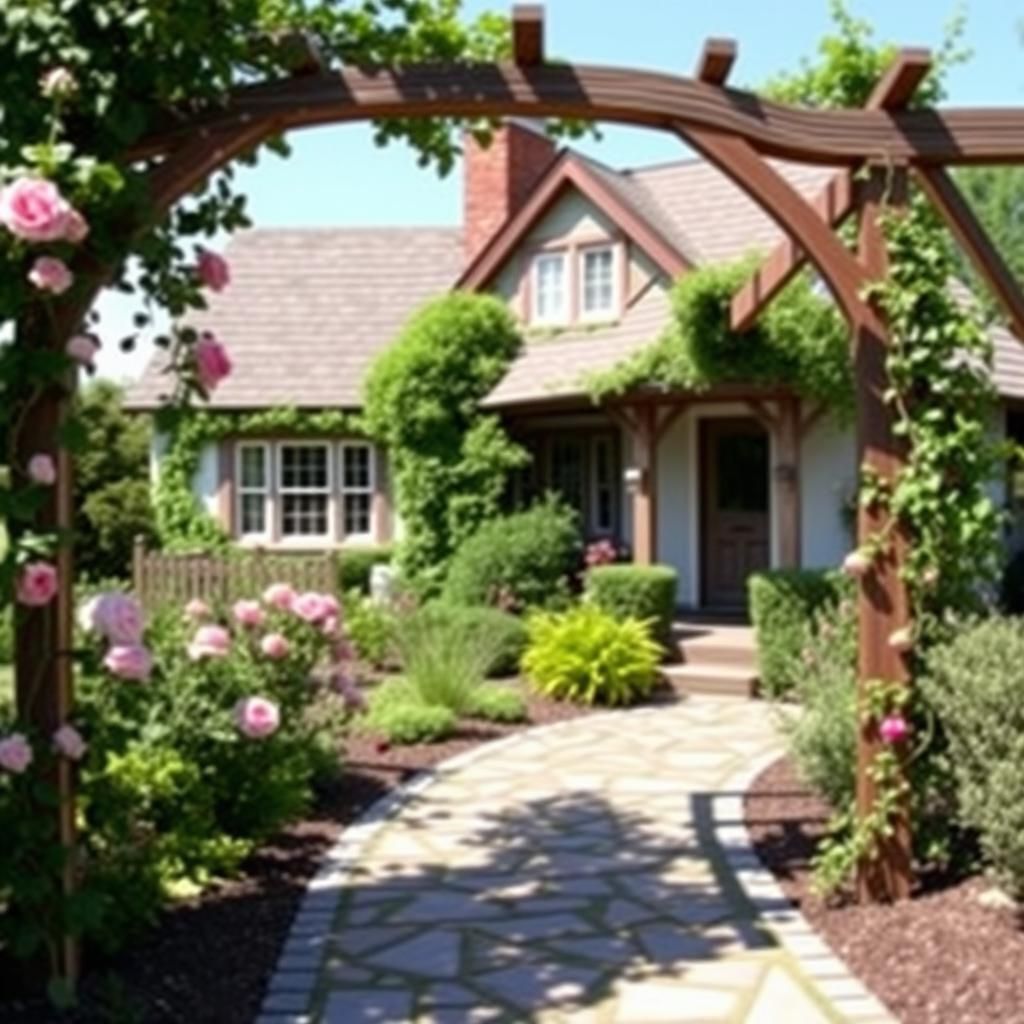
592,872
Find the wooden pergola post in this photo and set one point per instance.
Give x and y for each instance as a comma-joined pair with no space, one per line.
787,482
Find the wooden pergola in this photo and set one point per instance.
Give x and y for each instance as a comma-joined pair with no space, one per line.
878,149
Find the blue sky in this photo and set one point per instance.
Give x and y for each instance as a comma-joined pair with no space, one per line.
337,176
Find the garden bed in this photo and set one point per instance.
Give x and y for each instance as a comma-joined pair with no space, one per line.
939,958
208,959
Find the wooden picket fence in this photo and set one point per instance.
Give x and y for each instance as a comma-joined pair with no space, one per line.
162,578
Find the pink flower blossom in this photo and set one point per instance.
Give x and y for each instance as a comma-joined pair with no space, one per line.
15,753
257,717
67,741
209,642
50,274
34,210
129,661
280,595
275,646
311,607
58,83
116,617
600,552
82,349
77,229
37,584
214,271
893,729
42,470
329,626
197,609
212,362
248,613
856,564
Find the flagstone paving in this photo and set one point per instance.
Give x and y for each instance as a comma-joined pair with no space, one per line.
592,872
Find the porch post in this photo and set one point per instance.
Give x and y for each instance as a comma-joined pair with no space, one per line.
645,485
787,482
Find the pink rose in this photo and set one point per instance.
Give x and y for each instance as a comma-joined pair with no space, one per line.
33,209
311,607
209,642
275,646
856,564
248,613
37,584
118,618
77,229
15,753
50,274
213,270
129,661
82,349
42,470
893,729
58,83
329,626
279,595
67,741
197,609
257,717
212,362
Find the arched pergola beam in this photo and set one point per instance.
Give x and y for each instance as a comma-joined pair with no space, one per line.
643,98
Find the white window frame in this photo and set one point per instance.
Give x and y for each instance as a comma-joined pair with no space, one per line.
614,309
266,491
281,492
561,316
370,489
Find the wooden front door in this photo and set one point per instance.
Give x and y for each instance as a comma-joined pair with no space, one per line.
735,521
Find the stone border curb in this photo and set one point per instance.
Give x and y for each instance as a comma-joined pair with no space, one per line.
292,986
831,978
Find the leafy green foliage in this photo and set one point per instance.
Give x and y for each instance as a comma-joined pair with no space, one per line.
474,625
974,682
496,703
450,462
399,716
586,656
355,566
782,602
800,341
112,493
517,561
645,592
370,627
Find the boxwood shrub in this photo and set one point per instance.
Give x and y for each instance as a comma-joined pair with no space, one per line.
518,561
782,603
356,564
646,592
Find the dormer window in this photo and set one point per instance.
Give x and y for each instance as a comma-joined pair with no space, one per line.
598,300
550,293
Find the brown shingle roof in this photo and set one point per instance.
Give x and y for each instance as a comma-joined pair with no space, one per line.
308,309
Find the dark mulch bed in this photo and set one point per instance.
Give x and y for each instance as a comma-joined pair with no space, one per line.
208,959
939,958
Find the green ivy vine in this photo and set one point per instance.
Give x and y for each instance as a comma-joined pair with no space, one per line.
182,523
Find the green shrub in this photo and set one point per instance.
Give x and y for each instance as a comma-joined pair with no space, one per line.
370,627
586,656
397,714
503,632
636,592
822,735
519,561
782,603
497,704
355,565
975,684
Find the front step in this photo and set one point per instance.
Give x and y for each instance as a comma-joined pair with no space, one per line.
722,645
711,679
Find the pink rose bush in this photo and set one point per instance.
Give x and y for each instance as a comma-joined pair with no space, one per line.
214,271
212,362
280,595
249,613
37,584
83,350
257,717
210,642
34,210
42,470
68,742
129,661
893,729
15,753
50,274
275,646
197,610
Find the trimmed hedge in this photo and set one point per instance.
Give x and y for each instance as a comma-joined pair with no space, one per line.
782,604
519,561
636,592
356,564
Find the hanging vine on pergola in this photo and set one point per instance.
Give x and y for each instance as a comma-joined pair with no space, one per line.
878,148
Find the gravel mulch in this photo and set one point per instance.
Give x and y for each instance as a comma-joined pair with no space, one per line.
939,958
208,959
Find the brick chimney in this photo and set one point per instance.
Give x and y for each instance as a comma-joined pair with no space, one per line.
500,178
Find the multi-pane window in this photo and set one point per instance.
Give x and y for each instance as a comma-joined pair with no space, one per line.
605,480
253,489
550,300
568,470
304,485
356,489
598,282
